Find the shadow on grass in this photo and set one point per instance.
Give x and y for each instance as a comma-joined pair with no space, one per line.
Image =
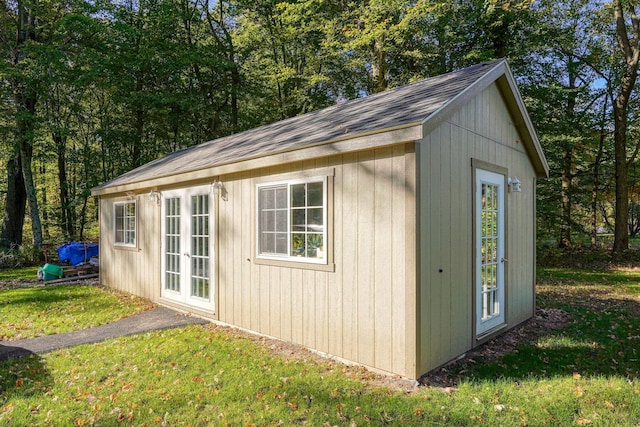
602,338
43,296
24,376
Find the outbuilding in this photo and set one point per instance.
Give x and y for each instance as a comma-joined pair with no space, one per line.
396,231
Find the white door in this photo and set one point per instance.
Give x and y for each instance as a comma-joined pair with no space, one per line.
187,246
490,258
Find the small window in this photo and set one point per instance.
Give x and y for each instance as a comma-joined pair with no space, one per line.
292,218
125,223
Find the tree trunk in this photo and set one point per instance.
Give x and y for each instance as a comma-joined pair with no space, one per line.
621,231
26,152
595,189
630,47
379,76
67,220
13,221
567,176
567,159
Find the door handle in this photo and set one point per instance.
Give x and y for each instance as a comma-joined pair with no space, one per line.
187,255
503,260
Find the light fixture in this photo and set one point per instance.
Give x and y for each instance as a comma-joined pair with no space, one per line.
154,197
219,189
514,185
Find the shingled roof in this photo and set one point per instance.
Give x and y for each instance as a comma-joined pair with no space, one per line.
408,105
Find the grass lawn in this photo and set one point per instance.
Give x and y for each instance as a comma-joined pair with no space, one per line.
584,374
18,273
43,310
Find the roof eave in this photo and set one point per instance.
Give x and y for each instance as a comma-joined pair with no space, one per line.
405,133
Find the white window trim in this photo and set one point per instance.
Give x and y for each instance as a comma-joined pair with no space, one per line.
325,232
135,230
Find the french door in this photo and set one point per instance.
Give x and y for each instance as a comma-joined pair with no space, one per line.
490,254
187,246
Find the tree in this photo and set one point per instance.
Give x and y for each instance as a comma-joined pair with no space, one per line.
18,55
564,99
627,30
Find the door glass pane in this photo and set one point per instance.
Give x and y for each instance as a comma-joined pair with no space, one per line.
200,246
489,250
172,244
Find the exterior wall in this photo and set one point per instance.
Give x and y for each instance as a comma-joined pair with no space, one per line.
133,270
483,130
363,310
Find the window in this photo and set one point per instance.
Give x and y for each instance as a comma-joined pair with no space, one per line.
292,219
125,223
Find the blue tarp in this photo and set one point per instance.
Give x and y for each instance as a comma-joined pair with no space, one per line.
77,253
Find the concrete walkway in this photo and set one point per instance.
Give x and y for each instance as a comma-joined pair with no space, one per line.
150,320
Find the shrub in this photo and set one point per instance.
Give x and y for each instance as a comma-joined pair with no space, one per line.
20,256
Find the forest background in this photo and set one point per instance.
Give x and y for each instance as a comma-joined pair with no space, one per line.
90,89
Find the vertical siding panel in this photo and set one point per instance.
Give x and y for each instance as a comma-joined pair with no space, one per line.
249,286
226,254
383,237
461,243
309,307
106,249
262,317
228,286
235,238
322,295
335,280
435,215
275,308
450,289
425,250
348,183
322,314
286,312
365,238
398,271
408,308
298,287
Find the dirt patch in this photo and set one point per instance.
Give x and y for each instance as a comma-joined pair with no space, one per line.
35,283
445,377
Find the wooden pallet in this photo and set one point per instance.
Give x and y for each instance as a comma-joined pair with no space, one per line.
71,279
80,270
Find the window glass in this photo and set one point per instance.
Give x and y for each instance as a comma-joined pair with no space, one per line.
125,223
291,220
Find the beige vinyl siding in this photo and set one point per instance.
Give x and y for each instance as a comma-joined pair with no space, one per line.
482,129
360,311
135,270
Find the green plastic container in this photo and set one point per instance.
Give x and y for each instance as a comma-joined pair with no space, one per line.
51,272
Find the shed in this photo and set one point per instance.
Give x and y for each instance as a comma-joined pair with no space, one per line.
396,231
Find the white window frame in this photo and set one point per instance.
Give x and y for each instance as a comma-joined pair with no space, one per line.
124,243
325,232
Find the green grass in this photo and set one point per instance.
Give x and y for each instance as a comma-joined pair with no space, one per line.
44,310
18,273
584,374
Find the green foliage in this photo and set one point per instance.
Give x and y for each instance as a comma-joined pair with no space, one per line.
21,256
118,84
